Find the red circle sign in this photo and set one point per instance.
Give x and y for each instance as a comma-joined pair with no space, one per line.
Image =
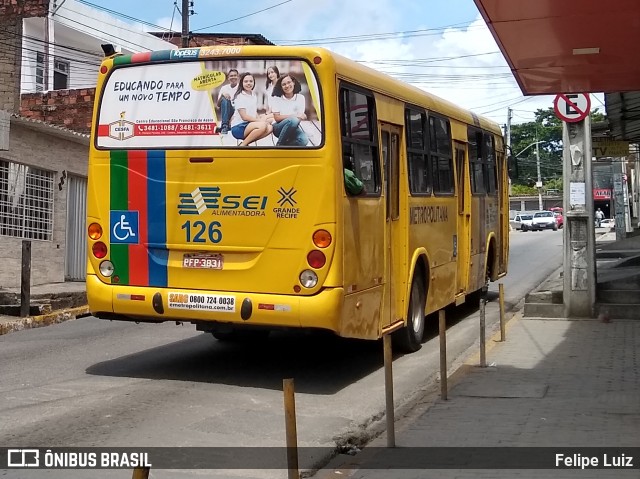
572,107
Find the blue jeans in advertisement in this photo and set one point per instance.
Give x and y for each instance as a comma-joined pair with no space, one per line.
289,132
226,112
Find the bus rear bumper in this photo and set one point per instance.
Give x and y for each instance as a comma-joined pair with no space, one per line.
149,304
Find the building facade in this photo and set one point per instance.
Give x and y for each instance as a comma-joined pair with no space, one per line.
43,172
48,70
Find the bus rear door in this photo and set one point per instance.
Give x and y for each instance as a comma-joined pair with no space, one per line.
393,308
464,219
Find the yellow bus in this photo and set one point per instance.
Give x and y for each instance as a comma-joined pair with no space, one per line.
250,188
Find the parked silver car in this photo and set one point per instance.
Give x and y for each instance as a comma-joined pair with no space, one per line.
521,219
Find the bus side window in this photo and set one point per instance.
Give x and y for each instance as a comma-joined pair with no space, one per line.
359,140
489,158
441,155
417,152
476,171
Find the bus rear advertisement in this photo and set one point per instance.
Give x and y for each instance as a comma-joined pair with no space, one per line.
221,192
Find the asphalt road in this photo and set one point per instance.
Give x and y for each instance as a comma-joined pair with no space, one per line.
91,382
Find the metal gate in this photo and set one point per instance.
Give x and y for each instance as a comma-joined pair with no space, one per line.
76,249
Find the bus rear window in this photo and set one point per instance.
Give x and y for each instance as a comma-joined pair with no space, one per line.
269,103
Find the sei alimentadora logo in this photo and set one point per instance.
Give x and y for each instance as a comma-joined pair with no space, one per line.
211,198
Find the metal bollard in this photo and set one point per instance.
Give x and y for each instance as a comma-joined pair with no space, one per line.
141,473
503,335
483,346
25,279
388,390
291,431
442,326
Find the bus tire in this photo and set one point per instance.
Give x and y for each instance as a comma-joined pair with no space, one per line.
409,338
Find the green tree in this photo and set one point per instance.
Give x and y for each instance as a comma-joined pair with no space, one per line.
547,129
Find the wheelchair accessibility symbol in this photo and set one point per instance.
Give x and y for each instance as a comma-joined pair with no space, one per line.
124,227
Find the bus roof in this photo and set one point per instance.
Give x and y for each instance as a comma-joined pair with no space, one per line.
349,69
383,83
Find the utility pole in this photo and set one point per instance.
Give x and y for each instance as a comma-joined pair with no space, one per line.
185,22
579,233
508,139
508,131
539,182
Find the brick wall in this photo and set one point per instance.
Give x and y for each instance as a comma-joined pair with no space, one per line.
24,8
10,62
11,14
69,108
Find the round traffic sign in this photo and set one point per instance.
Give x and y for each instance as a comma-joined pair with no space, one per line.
572,107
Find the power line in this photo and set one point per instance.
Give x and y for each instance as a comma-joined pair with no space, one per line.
368,36
422,61
119,14
372,37
2,42
144,48
243,16
500,108
59,45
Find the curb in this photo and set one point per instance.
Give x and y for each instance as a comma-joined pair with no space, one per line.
342,465
12,324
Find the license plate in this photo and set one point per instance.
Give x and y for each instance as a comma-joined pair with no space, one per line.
202,261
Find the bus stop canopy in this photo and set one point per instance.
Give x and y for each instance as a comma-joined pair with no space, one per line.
574,46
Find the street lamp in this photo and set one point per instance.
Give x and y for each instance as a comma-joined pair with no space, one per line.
539,182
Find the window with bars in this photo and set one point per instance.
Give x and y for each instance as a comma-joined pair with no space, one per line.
60,74
26,201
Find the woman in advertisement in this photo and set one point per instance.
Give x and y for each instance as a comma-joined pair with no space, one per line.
246,124
272,78
288,106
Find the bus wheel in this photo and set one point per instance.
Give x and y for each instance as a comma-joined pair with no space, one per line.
409,338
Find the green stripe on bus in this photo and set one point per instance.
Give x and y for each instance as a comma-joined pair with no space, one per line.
122,60
119,200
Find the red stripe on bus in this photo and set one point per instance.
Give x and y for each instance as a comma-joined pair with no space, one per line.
103,130
141,57
138,256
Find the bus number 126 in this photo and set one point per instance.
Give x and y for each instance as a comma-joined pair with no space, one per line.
198,229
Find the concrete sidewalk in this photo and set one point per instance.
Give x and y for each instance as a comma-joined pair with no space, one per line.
554,383
54,303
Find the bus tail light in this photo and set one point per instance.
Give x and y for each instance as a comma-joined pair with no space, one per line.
316,259
95,231
308,278
99,250
322,238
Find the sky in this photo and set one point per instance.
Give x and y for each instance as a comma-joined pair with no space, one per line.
441,46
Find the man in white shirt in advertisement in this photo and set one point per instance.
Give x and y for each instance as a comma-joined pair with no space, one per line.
226,100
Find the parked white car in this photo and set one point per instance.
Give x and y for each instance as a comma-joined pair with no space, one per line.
608,223
543,220
521,219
